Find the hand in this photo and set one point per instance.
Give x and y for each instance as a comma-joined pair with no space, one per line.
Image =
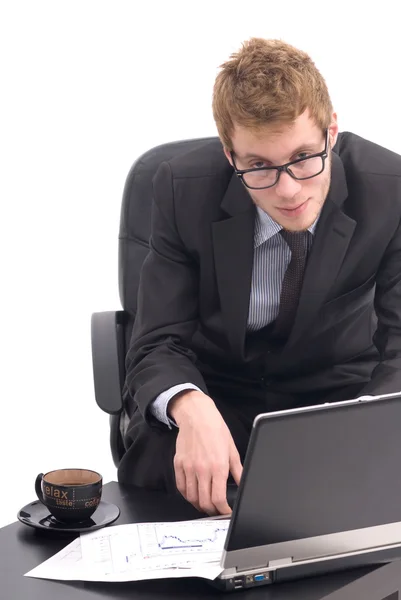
205,453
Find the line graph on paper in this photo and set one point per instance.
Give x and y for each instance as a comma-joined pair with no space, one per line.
149,546
161,539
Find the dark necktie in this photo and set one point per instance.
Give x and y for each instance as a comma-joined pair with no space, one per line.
298,241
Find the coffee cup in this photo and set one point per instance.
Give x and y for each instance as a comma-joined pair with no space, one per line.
70,495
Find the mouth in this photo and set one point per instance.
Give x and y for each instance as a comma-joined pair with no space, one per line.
295,211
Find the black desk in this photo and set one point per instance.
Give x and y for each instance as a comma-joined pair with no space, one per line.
22,548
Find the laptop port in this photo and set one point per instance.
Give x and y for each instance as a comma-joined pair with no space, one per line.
259,577
238,583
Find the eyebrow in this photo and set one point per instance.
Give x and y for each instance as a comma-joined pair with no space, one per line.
250,155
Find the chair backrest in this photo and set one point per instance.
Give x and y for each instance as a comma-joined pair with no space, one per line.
135,221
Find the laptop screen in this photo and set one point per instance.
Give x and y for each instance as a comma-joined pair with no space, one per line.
320,470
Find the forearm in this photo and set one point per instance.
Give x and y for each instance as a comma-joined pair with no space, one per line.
157,372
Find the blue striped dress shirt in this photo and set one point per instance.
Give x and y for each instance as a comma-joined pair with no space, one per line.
272,256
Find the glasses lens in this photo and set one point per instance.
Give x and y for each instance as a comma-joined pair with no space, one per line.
260,179
307,168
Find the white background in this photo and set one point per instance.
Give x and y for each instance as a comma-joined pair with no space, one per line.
87,86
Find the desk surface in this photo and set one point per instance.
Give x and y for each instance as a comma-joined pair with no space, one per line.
22,548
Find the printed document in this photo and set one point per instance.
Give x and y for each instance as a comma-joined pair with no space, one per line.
141,551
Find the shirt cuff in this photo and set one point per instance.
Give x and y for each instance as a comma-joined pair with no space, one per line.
159,406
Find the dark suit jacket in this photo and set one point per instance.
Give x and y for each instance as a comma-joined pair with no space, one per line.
195,285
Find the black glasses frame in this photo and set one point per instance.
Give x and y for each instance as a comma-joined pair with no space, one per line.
279,169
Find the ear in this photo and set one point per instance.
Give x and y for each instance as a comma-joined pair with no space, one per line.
333,130
228,155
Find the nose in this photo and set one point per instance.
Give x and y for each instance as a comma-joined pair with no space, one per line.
287,186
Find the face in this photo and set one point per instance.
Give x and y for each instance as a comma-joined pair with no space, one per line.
294,204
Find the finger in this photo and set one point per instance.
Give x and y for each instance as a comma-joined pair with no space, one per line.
235,466
219,493
205,494
191,492
180,479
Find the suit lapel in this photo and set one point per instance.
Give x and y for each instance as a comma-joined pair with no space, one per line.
233,253
333,235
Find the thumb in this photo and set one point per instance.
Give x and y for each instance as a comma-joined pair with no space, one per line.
235,465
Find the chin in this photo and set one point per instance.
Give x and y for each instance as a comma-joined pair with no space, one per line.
293,225
301,224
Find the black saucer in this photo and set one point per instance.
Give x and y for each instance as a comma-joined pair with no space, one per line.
37,515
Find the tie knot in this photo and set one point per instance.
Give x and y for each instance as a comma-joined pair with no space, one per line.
298,241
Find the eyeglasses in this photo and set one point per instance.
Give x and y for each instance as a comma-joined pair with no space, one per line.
260,178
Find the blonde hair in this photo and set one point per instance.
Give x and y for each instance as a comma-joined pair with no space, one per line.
268,82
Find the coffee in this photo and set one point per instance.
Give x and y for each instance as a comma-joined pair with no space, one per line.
72,483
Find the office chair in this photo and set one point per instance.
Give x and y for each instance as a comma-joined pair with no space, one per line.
111,330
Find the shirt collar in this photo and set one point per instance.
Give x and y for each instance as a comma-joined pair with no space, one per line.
266,227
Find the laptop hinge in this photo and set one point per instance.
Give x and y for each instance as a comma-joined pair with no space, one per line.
280,562
275,564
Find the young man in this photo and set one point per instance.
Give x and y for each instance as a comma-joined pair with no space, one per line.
273,278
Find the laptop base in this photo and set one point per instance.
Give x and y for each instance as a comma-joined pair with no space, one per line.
241,581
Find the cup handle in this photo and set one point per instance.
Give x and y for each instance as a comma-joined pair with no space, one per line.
38,487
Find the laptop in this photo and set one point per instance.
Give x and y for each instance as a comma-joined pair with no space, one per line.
320,491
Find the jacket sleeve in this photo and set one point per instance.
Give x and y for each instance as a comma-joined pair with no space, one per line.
159,356
386,377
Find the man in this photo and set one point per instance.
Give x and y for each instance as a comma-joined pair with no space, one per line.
273,279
